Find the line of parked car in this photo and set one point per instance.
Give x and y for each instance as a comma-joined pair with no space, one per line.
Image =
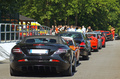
55,54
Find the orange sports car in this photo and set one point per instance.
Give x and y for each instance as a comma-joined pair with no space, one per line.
70,41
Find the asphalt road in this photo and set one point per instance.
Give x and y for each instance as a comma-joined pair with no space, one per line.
104,64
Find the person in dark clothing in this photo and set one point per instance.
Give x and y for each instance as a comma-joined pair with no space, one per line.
53,28
89,29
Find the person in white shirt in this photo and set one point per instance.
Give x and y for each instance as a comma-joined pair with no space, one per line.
83,29
79,30
72,29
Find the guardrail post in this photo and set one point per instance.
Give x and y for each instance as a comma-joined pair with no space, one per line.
0,33
19,32
10,32
15,33
5,31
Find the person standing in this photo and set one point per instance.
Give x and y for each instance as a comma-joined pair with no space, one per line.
56,30
79,30
68,28
89,29
72,29
83,29
113,32
53,30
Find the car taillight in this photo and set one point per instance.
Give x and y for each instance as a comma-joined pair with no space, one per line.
61,50
17,50
82,45
38,44
22,60
54,60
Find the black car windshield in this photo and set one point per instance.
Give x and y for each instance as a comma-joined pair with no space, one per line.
73,35
40,40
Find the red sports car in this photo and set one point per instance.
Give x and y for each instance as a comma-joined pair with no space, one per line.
109,36
94,42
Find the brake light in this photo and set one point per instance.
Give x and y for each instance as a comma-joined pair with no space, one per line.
54,60
22,60
17,50
38,44
82,44
81,47
60,50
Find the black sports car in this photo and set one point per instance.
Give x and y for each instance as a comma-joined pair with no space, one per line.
80,40
42,54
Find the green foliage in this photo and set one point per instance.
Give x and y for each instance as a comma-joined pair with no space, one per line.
100,14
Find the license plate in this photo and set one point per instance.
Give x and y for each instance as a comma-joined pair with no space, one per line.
38,51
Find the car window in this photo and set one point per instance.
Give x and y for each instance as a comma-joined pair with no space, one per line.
41,40
73,35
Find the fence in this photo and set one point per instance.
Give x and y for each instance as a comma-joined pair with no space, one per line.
16,32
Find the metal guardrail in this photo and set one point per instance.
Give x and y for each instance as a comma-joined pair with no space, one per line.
16,32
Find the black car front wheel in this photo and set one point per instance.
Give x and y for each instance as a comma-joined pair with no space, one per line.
104,45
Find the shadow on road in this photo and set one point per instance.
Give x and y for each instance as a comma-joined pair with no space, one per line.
81,59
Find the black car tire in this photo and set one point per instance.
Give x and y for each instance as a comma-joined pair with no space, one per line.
90,53
104,45
77,62
74,66
85,57
100,46
14,72
69,71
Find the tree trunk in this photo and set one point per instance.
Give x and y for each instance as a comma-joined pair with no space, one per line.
65,21
76,18
68,20
55,23
48,22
